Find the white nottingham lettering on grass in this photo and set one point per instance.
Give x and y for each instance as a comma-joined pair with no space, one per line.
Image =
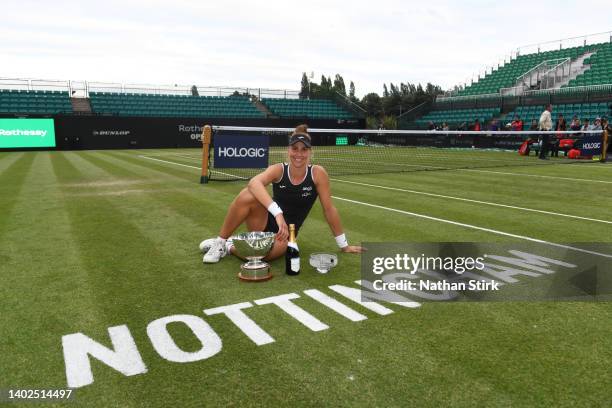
356,296
334,305
124,357
166,347
525,260
293,310
243,322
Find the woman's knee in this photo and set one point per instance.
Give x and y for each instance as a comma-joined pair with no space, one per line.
245,197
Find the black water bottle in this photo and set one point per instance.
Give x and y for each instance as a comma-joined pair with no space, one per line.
292,256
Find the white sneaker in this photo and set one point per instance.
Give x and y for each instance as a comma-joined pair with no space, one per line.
206,244
215,252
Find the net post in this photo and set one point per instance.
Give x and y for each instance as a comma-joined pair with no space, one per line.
206,138
604,146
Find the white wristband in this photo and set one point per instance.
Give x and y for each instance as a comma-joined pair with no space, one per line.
274,209
341,241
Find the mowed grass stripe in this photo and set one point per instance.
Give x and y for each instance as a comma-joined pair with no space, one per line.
481,202
45,290
8,159
136,269
587,200
11,183
526,174
203,205
538,345
177,212
506,220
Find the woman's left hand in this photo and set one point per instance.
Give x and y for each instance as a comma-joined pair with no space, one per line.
353,249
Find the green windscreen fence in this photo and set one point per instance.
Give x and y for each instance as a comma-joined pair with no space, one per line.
24,133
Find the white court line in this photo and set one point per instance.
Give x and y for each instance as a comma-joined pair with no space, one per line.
473,201
536,175
507,234
193,167
166,161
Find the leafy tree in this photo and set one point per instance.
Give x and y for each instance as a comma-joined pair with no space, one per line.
352,96
389,122
339,85
304,91
395,100
372,104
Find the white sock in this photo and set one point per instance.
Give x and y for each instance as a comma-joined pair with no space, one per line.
229,245
223,240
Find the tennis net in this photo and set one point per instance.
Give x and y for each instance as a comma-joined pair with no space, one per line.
360,151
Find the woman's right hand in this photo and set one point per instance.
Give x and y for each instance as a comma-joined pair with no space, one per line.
283,230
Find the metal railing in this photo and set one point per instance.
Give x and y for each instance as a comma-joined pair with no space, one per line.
189,90
570,42
422,104
551,77
346,100
31,84
83,88
466,97
572,89
513,91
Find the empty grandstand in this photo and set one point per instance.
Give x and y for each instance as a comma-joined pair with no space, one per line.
517,71
306,108
32,97
173,105
456,118
584,65
34,102
576,80
600,68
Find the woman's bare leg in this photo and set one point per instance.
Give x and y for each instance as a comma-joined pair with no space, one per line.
244,208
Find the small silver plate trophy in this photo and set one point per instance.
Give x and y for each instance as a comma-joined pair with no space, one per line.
254,246
323,262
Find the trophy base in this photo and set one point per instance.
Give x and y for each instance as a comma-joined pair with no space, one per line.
257,273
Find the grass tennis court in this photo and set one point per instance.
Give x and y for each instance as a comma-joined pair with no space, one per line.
97,239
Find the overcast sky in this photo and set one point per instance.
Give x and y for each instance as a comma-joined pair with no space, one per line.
269,43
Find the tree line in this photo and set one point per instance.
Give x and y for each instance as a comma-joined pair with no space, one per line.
380,109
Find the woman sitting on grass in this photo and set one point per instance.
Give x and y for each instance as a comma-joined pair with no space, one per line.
296,186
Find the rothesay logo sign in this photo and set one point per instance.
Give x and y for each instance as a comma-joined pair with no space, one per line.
240,151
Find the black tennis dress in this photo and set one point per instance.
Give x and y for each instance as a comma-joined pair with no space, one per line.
295,200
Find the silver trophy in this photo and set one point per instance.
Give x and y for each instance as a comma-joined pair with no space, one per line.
323,262
254,246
